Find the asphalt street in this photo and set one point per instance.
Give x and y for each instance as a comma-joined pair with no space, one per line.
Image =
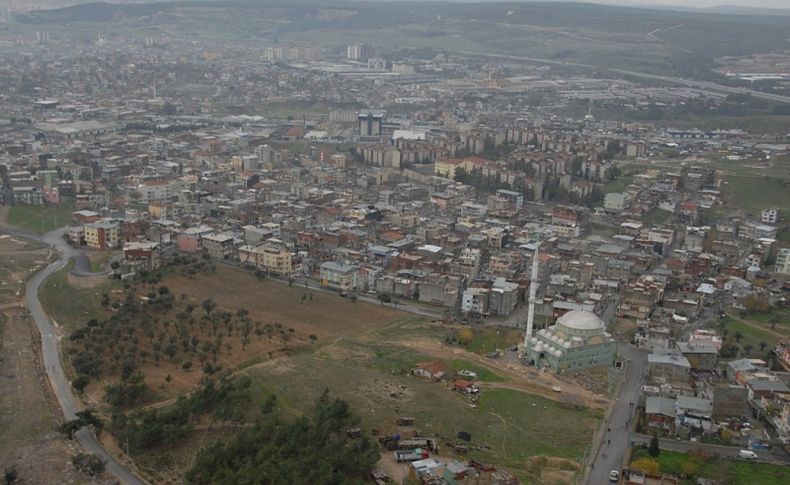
614,442
766,456
50,346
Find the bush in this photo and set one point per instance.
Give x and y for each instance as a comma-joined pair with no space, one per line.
80,383
91,464
647,465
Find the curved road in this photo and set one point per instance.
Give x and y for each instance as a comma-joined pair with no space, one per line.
50,348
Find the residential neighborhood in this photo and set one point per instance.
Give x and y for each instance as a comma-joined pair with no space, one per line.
508,234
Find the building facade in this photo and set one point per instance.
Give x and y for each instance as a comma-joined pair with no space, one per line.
103,235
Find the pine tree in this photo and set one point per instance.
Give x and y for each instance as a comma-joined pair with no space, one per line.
654,450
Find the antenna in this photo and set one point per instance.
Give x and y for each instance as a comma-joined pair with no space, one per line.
533,288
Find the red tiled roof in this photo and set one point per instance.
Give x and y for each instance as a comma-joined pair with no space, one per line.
433,367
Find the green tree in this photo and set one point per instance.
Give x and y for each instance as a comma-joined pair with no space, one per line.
69,428
208,305
80,383
313,448
654,450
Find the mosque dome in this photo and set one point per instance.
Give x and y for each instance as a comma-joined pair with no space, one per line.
581,320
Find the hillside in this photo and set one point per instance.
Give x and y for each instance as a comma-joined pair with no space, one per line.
659,41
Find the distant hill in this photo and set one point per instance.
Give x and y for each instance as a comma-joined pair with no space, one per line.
660,41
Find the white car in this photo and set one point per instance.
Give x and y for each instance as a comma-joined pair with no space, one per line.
614,476
747,455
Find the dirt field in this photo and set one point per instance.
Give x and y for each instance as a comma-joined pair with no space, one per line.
519,377
27,436
326,315
330,318
512,422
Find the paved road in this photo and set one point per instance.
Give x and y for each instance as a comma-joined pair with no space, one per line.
720,450
614,443
50,350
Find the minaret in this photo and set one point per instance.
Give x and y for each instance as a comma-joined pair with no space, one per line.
533,288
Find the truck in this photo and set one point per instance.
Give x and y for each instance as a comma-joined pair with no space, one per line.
410,455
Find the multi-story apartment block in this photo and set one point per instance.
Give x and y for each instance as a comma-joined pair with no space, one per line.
339,276
103,234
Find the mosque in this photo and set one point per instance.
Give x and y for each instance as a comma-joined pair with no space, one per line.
577,341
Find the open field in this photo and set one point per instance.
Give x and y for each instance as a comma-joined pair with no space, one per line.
753,194
361,352
326,315
282,323
70,306
753,334
10,244
483,374
735,472
618,185
489,339
18,262
41,219
510,426
777,167
777,320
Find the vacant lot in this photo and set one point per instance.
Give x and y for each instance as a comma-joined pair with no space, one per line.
753,194
490,339
41,219
507,426
735,472
325,315
755,339
284,320
15,266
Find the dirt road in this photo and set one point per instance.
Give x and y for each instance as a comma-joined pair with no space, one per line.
520,378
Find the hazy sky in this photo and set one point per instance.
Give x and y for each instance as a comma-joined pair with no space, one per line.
705,3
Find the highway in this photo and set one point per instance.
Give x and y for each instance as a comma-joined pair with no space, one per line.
50,347
703,85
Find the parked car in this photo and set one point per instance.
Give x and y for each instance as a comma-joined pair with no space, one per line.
614,476
747,455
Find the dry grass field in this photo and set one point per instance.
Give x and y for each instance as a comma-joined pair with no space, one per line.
326,315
